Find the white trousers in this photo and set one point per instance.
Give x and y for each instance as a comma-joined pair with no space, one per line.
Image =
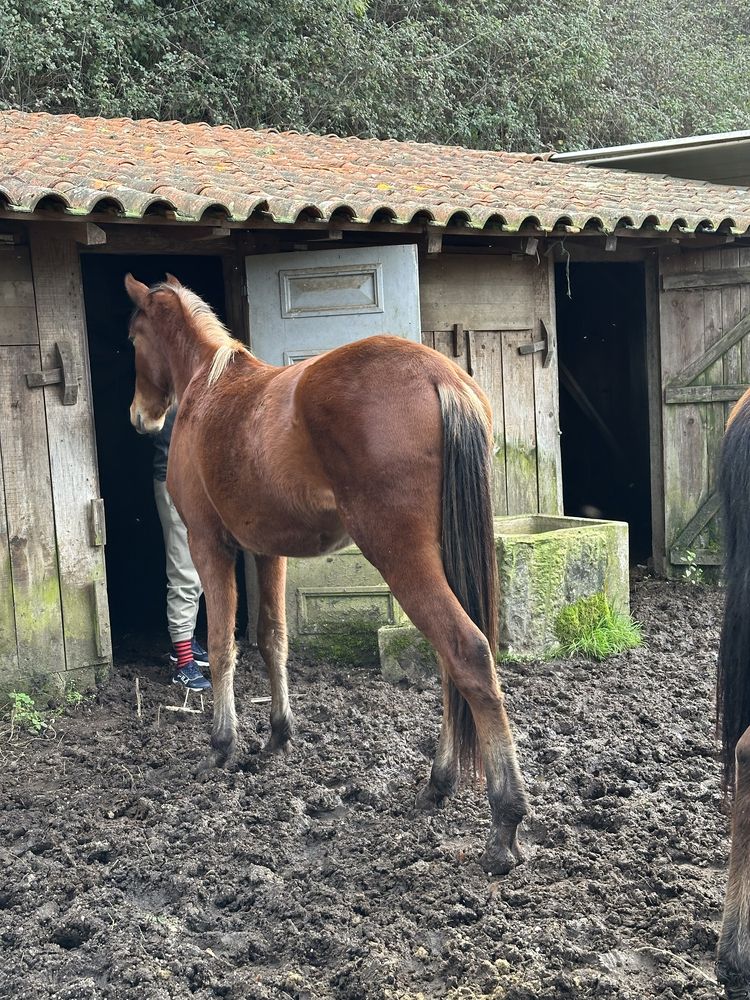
183,583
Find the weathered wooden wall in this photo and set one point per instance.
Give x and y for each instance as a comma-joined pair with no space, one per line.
53,610
705,366
479,310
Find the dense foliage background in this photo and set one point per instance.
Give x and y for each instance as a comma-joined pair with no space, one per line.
515,74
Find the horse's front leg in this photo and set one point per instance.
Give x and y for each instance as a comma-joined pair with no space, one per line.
733,958
215,561
273,645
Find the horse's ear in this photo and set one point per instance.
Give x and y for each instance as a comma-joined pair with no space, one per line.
137,291
174,282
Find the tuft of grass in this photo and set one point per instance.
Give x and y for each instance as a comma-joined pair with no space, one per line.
591,627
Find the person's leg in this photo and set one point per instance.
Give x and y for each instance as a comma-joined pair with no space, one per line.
183,583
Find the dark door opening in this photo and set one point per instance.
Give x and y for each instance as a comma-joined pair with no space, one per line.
601,328
136,581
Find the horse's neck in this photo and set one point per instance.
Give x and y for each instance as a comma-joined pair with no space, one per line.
191,349
186,355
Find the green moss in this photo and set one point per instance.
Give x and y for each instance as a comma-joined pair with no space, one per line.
592,627
353,642
409,641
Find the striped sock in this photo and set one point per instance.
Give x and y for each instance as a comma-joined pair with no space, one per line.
184,650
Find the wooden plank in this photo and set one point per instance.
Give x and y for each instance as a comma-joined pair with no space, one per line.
686,540
443,342
682,319
716,349
731,314
703,393
520,425
546,395
483,292
30,520
744,259
656,432
713,413
235,300
17,310
72,447
701,279
488,371
8,643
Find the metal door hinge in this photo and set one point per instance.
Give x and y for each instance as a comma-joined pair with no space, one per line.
97,523
66,374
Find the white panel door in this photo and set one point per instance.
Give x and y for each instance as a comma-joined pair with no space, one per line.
309,301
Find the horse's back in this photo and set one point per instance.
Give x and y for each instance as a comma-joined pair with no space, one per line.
372,411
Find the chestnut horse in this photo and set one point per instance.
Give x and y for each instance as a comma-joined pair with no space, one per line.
384,442
733,697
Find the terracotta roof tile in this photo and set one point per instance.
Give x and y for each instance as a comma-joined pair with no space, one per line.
191,170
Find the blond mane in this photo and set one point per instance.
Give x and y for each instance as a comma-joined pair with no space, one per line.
211,329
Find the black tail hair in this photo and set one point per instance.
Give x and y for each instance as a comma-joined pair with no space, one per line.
468,541
733,676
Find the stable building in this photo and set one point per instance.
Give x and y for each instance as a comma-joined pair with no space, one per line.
604,312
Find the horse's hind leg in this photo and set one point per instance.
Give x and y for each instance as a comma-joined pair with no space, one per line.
273,646
469,675
733,957
215,561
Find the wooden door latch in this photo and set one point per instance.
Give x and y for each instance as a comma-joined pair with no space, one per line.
537,346
66,374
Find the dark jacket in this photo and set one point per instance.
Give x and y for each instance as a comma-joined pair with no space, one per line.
161,446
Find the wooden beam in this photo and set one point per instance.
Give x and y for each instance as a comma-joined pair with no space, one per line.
655,423
707,279
87,234
684,541
584,403
434,241
72,446
714,352
703,393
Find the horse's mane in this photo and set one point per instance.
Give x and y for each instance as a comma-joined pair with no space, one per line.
209,326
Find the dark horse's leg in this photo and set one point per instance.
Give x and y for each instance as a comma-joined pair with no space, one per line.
733,958
215,560
273,646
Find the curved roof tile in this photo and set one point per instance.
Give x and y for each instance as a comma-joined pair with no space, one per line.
192,169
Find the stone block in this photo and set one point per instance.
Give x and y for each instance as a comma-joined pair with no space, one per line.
335,606
546,563
405,655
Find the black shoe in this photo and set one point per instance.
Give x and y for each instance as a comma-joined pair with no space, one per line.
191,677
200,656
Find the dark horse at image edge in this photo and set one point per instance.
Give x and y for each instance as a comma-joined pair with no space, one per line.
384,442
733,697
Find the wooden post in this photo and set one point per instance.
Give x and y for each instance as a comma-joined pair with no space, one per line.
72,448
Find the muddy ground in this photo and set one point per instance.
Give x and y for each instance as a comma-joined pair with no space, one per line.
311,876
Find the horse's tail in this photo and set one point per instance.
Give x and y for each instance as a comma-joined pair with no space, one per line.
733,676
468,538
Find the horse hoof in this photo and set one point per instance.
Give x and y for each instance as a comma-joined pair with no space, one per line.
205,767
211,763
428,798
736,985
498,862
277,743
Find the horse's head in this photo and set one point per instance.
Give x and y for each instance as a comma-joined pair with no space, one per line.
154,388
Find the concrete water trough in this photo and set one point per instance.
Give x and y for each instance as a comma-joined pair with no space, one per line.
340,608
